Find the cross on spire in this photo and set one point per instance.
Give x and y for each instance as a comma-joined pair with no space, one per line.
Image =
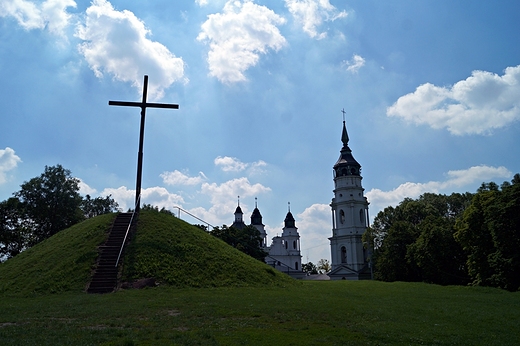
343,111
143,105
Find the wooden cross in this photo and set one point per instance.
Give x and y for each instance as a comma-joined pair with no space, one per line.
143,105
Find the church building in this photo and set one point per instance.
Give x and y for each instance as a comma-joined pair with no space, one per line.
284,253
349,218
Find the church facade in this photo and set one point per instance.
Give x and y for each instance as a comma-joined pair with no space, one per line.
284,253
349,218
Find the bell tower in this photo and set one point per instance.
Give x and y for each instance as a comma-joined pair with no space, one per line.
349,218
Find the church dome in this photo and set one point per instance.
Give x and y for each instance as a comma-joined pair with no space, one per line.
289,221
256,217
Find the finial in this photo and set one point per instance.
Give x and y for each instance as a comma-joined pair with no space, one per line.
289,206
239,201
343,111
256,204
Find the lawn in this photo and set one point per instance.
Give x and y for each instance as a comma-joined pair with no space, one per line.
308,313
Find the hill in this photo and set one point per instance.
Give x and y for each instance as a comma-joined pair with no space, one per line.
164,247
179,254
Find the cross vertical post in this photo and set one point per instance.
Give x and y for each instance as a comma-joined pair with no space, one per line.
143,105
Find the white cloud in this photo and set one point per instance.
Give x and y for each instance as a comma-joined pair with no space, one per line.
354,64
85,189
315,227
476,105
311,14
116,43
238,36
8,161
455,180
232,164
156,196
50,14
201,2
179,178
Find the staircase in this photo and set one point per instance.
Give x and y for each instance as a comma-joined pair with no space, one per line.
104,279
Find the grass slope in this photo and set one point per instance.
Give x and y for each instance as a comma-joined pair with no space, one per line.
181,255
61,263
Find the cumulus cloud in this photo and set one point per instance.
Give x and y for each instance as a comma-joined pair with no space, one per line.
50,14
156,196
476,105
117,43
353,65
312,13
179,178
232,164
454,179
315,227
8,161
85,189
238,36
201,2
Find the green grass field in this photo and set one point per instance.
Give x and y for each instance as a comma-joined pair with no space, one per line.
223,297
310,313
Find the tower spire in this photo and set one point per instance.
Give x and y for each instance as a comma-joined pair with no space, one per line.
344,134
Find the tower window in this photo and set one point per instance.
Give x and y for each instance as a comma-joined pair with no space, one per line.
286,245
342,216
294,244
343,254
361,215
296,265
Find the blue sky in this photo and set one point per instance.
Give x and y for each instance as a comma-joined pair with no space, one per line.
431,91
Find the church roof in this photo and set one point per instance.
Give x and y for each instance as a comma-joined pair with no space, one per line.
289,220
238,210
346,162
256,217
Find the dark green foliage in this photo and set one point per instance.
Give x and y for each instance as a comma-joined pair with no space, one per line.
44,206
179,254
309,268
92,207
414,241
51,202
490,235
247,240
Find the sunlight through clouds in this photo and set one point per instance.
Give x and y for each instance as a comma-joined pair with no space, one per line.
238,36
30,15
482,102
116,42
310,14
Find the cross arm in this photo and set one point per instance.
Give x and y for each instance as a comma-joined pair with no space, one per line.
143,105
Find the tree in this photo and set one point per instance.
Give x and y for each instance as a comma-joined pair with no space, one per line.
14,234
489,233
309,268
98,206
247,240
50,202
415,240
323,266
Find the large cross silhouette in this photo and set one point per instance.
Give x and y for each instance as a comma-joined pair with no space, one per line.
143,105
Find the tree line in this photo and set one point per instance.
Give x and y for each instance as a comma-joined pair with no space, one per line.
43,206
451,240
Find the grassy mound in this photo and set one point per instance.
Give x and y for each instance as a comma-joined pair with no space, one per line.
181,255
61,263
164,247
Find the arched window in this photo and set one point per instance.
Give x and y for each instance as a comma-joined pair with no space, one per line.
296,265
343,254
285,245
361,215
341,216
294,244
